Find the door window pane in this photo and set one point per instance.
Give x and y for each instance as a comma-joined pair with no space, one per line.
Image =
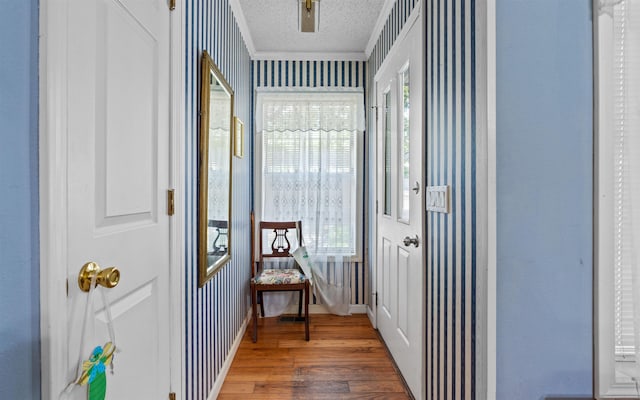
405,145
387,153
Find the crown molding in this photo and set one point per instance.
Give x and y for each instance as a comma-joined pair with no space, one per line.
244,27
300,56
379,26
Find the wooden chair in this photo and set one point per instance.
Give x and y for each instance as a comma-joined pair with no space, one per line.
220,236
269,279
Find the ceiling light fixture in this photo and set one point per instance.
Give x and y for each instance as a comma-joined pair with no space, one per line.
309,16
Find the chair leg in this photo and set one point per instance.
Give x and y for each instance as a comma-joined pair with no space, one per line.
299,303
306,311
254,317
261,304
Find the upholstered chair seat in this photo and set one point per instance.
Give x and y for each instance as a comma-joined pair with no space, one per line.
272,276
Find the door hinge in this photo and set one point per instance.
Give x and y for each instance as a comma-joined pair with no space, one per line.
172,396
376,296
172,5
170,202
376,206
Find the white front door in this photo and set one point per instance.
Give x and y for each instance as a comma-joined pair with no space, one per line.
117,177
400,191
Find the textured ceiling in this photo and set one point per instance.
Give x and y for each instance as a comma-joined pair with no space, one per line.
345,26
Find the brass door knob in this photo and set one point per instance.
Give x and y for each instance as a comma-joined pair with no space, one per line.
108,277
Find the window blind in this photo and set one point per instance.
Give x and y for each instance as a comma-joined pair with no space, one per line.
626,213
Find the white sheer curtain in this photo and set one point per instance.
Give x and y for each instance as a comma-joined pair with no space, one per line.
218,173
309,172
219,154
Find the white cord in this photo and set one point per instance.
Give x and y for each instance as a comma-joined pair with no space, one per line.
112,332
83,333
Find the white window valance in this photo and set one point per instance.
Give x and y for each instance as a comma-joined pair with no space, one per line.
313,110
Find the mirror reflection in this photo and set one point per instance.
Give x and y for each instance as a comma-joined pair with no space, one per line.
215,170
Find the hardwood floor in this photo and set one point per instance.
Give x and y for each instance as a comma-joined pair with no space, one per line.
344,359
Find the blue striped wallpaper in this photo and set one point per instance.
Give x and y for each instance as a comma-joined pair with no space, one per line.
451,262
215,313
325,74
399,14
451,160
286,73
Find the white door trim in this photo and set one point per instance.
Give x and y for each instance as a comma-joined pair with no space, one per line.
372,308
486,206
177,320
53,140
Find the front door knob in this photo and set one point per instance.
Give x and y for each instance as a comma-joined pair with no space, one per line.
408,241
108,277
416,188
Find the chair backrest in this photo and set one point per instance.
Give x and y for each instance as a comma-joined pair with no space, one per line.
253,243
280,236
220,236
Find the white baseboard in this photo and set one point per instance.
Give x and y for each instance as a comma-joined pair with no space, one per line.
217,386
321,309
372,316
358,308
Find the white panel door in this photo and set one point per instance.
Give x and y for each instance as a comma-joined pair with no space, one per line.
399,179
118,174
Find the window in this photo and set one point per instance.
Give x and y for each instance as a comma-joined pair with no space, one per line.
405,145
310,153
387,151
618,198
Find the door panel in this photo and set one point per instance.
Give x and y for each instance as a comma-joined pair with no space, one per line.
128,380
127,136
400,318
404,301
386,277
118,170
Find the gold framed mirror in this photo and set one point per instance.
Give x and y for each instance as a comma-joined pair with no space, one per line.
214,183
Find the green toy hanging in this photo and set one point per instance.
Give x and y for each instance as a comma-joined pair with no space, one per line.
93,371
